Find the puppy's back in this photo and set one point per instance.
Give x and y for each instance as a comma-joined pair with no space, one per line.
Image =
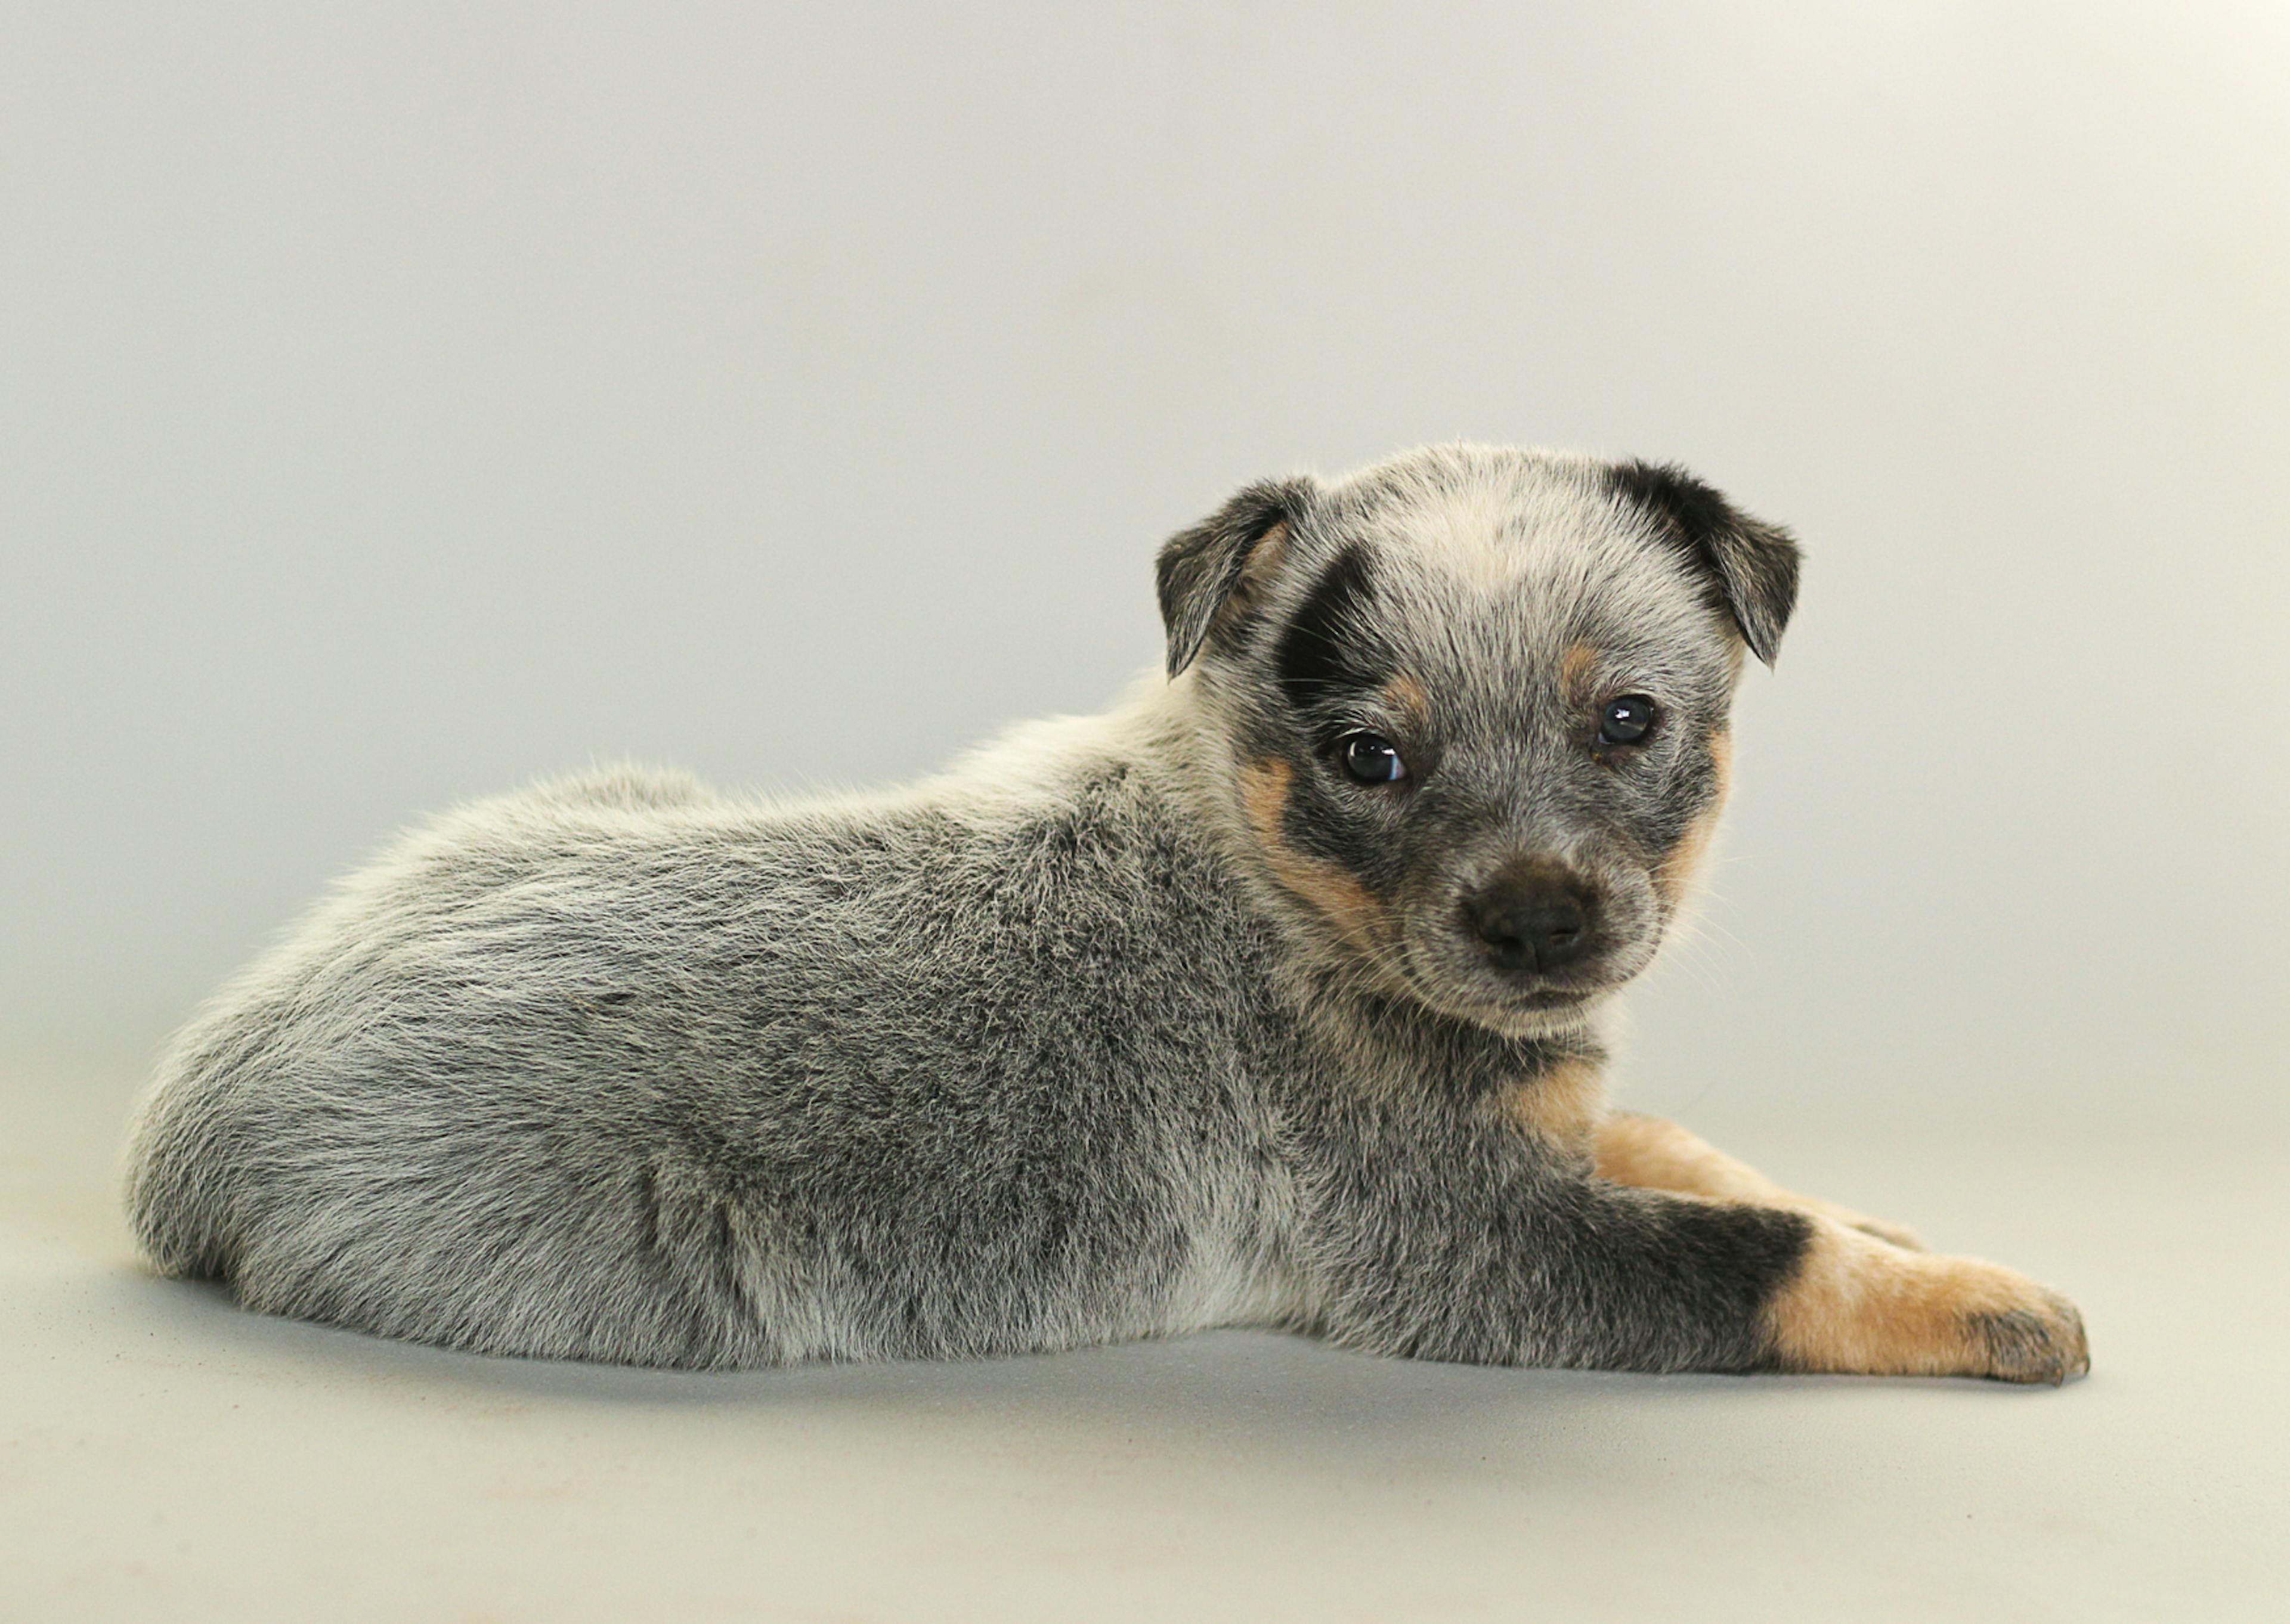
611,1070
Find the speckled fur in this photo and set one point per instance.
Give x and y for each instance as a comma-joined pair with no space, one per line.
1127,1026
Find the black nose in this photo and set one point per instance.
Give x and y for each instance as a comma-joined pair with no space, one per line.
1534,923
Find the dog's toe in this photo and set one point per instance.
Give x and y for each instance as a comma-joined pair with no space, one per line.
2042,1342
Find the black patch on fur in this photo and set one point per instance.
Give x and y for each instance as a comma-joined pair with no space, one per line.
1198,568
1724,1265
1322,653
1752,564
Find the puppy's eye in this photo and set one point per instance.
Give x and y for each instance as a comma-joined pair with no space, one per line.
1627,720
1371,759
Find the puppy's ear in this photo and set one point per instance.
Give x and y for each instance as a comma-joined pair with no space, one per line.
1752,564
1206,573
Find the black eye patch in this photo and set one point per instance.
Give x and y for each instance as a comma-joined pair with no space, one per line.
1322,653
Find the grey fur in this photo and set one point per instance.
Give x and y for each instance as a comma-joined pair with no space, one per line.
1049,1050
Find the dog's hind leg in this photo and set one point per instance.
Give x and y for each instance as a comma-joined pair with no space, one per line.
1653,1153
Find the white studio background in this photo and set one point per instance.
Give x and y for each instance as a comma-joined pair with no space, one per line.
402,402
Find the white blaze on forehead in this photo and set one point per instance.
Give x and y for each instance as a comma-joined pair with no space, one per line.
1531,548
1487,515
1471,534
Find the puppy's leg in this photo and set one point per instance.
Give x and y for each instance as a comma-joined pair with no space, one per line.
1856,1305
1653,1153
1489,1256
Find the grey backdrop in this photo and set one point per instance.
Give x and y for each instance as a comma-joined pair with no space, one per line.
403,404
403,401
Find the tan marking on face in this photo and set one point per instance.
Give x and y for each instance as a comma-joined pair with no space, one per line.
1675,876
1407,696
1264,786
1574,666
1653,1154
1856,1305
1265,560
1562,1105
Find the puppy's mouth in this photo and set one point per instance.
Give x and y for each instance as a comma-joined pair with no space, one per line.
1522,1008
1542,1006
1554,997
1535,1012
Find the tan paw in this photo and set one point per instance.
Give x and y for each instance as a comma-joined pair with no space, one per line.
1863,1306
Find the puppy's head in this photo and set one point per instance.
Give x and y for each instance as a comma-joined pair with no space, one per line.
1470,708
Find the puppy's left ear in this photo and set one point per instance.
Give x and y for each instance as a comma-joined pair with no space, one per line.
1753,564
1205,573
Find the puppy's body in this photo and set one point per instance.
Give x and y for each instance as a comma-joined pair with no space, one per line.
619,1070
1130,1025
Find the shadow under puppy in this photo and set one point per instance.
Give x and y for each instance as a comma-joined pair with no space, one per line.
1270,998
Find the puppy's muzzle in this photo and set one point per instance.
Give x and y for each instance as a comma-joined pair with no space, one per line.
1532,921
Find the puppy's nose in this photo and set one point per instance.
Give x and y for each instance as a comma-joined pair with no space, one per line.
1532,925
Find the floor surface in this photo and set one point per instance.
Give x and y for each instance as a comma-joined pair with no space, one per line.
169,1456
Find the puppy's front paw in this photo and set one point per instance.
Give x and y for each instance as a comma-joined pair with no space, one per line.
2043,1341
1861,1306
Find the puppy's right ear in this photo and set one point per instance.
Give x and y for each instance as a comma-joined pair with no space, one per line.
1206,573
1752,564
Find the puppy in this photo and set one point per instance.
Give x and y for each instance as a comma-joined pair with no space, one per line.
1271,998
